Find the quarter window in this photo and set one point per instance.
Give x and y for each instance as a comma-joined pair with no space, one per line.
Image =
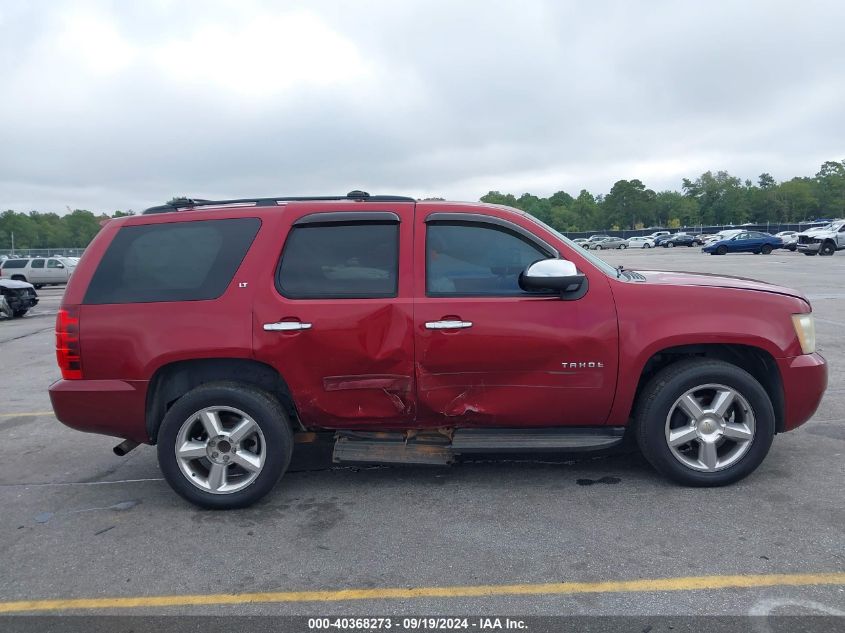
174,261
473,259
340,261
15,263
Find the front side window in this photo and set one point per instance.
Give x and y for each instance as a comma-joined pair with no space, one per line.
472,259
53,263
340,261
37,263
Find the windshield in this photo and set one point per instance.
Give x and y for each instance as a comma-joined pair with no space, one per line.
602,265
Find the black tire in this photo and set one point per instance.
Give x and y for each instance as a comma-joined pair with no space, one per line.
670,244
646,245
623,247
598,247
767,249
19,313
827,249
267,413
659,395
793,248
722,250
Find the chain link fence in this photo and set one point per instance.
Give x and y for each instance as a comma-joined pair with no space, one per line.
42,252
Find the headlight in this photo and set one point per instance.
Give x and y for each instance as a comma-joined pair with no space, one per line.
805,328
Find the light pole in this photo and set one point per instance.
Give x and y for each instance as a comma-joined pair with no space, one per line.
12,233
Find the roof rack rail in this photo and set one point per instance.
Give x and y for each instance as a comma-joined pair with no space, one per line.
182,203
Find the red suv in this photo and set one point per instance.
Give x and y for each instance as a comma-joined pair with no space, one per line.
416,332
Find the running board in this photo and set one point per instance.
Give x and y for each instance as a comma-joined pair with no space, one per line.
436,448
555,439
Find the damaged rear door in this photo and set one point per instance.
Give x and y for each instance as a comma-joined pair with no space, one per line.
337,320
489,354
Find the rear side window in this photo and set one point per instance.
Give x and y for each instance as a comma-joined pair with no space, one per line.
340,261
15,263
180,261
37,263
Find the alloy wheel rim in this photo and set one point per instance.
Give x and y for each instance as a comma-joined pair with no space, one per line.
220,450
710,428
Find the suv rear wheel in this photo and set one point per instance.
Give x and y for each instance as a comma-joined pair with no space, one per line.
224,445
704,422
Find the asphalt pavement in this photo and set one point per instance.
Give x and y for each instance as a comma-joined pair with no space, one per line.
80,523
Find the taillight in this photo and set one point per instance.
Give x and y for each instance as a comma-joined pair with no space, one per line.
67,343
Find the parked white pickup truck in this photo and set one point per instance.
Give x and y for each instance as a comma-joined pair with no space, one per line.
825,240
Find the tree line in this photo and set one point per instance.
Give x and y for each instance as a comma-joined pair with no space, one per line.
711,199
75,229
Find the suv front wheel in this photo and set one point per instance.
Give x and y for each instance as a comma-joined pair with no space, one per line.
704,422
224,445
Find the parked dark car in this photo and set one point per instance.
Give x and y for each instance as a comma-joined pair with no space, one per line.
681,239
745,242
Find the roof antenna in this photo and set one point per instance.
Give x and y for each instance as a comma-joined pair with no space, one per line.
358,195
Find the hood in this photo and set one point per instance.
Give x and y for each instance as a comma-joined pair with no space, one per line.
15,284
715,281
815,231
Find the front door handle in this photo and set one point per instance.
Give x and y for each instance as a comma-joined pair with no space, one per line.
447,325
286,326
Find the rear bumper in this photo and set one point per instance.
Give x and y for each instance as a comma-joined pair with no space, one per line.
107,407
804,382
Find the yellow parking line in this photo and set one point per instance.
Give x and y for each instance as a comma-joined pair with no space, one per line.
22,413
692,583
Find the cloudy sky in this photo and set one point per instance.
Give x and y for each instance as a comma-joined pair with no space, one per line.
124,104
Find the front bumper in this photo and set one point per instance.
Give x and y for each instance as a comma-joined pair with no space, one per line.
804,382
107,407
812,247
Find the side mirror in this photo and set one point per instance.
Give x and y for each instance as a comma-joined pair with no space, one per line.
60,265
554,274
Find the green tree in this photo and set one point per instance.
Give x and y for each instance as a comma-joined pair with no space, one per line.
494,197
830,188
629,202
672,204
722,199
585,210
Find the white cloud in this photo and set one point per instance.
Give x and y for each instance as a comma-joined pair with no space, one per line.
268,54
115,104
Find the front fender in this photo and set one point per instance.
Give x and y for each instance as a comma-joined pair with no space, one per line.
654,318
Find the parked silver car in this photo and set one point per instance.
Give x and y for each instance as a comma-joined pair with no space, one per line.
609,242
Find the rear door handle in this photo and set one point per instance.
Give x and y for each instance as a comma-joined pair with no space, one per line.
447,325
286,326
